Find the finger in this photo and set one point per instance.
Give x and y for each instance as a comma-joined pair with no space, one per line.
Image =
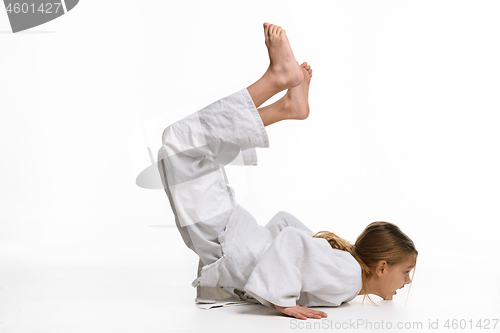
299,315
321,313
314,313
308,313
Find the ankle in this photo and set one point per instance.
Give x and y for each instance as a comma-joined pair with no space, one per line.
286,107
283,78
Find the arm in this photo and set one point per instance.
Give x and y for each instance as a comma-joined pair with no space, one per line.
301,312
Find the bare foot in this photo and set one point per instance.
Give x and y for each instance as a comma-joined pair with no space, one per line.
297,98
284,70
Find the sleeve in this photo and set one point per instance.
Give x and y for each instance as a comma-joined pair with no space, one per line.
297,266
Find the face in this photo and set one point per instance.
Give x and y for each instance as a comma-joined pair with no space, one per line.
394,277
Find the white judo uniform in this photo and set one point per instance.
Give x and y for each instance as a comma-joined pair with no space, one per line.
280,263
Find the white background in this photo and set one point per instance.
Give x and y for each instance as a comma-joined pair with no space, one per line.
404,127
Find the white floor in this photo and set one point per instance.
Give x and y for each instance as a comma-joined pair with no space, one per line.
146,288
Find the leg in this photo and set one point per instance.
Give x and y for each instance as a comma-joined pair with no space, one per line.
294,105
194,148
190,161
283,71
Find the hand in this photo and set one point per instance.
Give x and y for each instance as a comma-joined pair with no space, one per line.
301,312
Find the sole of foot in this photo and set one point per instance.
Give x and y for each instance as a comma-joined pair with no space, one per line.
297,98
284,70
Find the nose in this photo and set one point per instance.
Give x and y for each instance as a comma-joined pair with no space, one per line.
407,280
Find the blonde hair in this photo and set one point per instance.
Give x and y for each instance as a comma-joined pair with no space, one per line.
379,241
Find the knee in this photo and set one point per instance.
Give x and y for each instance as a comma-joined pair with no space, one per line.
283,219
282,214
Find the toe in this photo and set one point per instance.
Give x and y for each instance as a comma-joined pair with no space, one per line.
266,29
272,29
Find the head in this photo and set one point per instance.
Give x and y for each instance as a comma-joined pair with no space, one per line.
386,256
387,279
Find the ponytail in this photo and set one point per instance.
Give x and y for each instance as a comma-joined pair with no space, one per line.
335,241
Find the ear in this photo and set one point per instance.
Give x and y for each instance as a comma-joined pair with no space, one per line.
381,268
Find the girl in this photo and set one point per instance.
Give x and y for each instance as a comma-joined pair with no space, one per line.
284,264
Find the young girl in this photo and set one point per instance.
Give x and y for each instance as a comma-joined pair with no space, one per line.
282,265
